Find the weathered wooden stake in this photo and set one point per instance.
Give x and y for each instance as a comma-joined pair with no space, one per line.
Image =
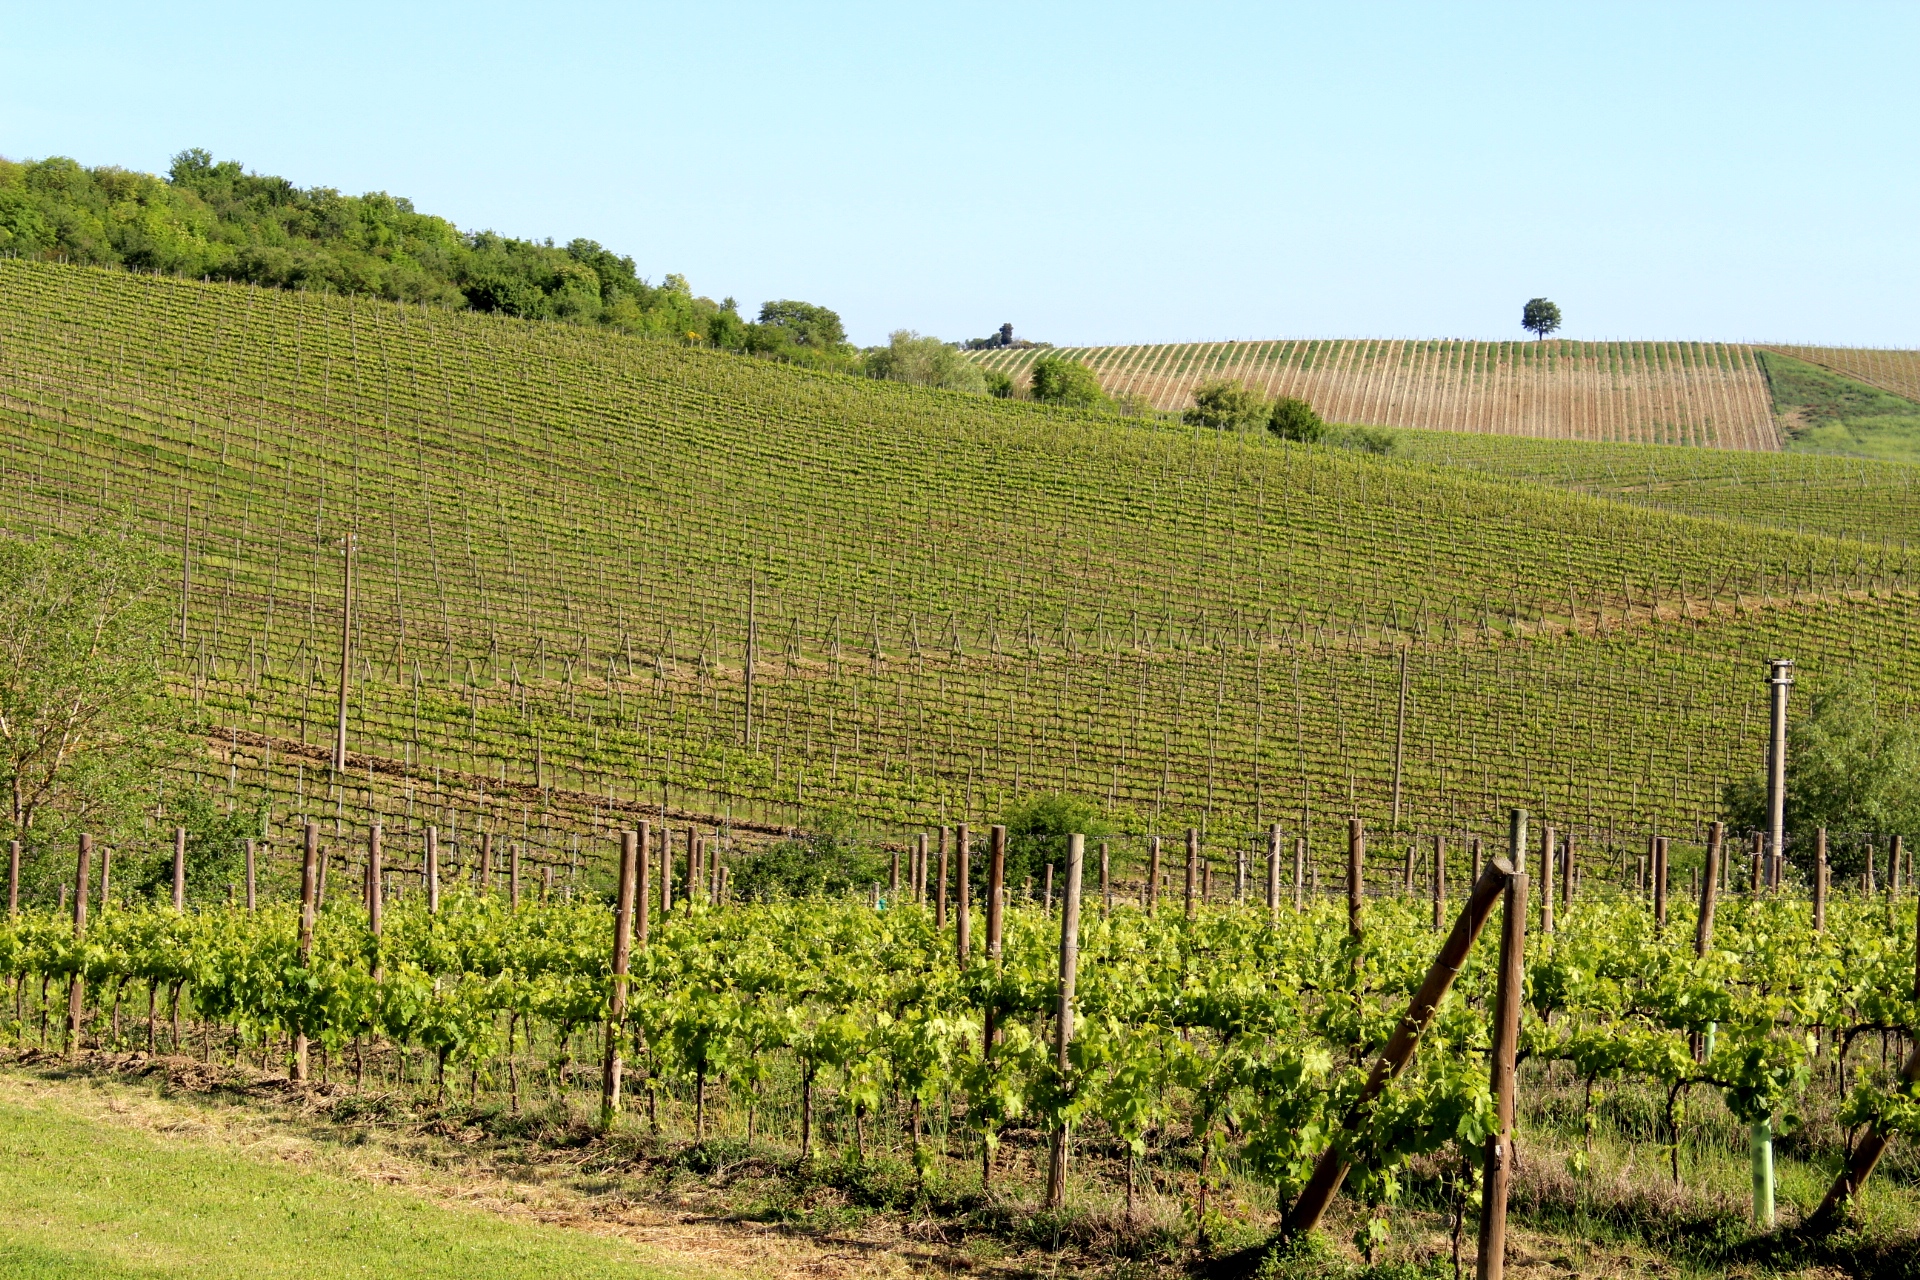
1660,881
1273,873
642,883
1106,881
963,893
77,987
1299,873
1356,874
1193,867
1548,841
431,866
309,890
617,1002
1063,1033
513,875
251,877
1498,1170
940,888
179,868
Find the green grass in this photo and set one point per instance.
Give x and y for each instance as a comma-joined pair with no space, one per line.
1821,411
83,1197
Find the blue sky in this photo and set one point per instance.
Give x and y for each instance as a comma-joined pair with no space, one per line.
1096,173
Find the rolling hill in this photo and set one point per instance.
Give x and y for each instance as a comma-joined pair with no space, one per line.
602,576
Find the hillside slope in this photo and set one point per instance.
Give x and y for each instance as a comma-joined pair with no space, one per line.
570,541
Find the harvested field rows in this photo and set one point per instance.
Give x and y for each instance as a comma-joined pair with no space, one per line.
1697,393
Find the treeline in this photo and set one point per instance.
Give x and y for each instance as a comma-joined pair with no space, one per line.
216,221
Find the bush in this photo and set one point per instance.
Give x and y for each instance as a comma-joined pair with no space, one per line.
825,863
1225,406
925,362
1292,418
1037,831
1058,380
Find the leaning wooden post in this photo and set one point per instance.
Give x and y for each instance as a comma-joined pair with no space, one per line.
309,886
77,988
179,868
1866,1154
1356,874
1548,841
963,893
1439,881
1063,1032
1331,1169
251,880
376,893
1498,1171
617,1000
1820,882
1193,867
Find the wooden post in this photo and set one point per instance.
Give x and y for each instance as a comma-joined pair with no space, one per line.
920,869
77,988
1106,881
1660,881
376,892
486,861
1331,1168
1063,1031
1399,754
1439,881
106,880
1193,867
666,870
1299,873
346,654
179,868
13,880
1273,873
1779,680
1049,888
1709,889
1566,873
1820,882
1153,875
1866,1154
309,890
642,883
893,876
251,877
431,866
963,893
617,1000
940,888
1548,842
513,874
1498,1171
996,888
689,886
1356,874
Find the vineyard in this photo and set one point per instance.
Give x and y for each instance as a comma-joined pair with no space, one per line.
1208,1051
1694,393
598,579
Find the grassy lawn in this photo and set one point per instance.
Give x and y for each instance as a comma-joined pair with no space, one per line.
84,1196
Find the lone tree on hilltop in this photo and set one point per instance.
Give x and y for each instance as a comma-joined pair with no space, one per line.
1540,316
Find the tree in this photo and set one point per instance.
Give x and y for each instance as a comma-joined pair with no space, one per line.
1292,418
1058,380
924,362
1540,317
1225,406
1851,767
84,722
808,325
